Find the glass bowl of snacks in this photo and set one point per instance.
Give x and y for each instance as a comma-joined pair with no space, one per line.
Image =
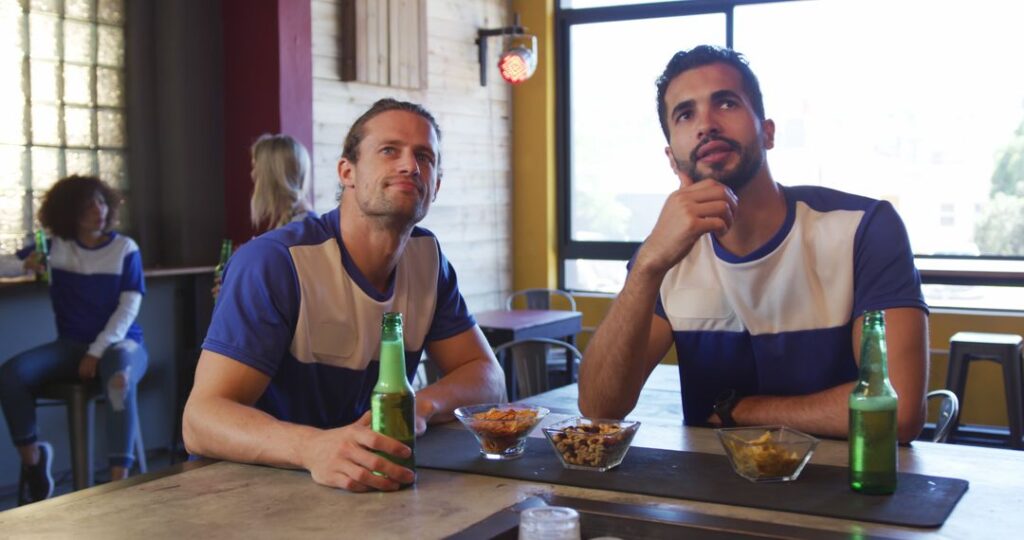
767,453
591,444
501,428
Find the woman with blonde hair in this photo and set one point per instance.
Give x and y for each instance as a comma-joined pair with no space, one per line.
280,170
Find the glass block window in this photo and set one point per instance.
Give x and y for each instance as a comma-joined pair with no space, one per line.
62,107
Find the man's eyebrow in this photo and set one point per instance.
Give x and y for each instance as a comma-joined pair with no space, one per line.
681,106
723,94
717,95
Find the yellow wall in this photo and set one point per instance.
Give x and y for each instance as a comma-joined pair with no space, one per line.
534,227
535,242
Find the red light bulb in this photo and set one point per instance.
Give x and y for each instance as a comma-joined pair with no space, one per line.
516,65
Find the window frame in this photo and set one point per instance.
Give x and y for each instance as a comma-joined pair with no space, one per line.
934,269
96,147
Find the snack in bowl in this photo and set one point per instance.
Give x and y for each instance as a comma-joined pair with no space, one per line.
592,444
501,429
767,453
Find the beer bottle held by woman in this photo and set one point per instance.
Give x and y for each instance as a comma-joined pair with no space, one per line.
873,456
218,271
393,402
43,249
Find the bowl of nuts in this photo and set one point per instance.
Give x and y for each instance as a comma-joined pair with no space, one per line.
500,428
591,444
767,453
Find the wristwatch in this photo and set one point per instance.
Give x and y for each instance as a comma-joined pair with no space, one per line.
724,405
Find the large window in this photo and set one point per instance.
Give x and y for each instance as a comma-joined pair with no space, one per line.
917,102
61,102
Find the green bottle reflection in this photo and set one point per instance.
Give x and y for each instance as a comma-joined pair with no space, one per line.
873,402
393,402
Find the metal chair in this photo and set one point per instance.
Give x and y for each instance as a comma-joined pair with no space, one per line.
542,299
80,399
949,409
529,363
539,298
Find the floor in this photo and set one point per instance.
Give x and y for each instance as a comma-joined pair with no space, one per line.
156,460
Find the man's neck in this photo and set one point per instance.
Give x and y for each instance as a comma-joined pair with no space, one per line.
372,245
759,215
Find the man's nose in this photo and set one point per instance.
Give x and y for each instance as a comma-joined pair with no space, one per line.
407,164
707,125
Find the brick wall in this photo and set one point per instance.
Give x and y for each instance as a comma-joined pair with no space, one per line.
472,214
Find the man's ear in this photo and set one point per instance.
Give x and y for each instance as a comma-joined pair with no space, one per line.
671,160
768,133
437,187
346,174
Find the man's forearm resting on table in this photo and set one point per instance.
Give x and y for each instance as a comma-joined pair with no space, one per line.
477,381
821,413
220,428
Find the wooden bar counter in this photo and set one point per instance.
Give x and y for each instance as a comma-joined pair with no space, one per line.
229,500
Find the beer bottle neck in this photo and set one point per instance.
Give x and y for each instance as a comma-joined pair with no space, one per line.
392,361
874,368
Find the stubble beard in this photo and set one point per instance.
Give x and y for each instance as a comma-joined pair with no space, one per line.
383,210
736,178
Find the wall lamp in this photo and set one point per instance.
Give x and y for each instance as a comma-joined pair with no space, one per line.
517,61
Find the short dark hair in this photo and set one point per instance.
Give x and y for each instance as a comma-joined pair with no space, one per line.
64,203
700,56
350,150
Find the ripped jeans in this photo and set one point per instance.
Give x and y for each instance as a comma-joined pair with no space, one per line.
21,378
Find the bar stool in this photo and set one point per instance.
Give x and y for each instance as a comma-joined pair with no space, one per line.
965,347
80,399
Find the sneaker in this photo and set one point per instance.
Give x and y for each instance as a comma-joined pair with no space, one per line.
36,481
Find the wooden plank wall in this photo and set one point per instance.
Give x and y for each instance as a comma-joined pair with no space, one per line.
472,214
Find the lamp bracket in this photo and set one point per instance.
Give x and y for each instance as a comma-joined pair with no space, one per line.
481,42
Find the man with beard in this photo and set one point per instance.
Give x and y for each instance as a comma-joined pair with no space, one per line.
288,366
761,287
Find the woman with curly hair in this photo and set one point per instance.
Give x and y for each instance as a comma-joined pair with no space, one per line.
96,288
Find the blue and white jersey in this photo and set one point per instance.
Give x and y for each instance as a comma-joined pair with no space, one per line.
779,321
87,284
294,306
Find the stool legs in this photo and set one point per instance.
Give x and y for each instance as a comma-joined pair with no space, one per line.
81,413
140,447
956,379
1014,402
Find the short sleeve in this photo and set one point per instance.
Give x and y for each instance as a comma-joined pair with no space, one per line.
451,316
256,311
884,273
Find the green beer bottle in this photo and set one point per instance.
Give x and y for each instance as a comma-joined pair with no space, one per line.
225,254
43,249
873,415
393,402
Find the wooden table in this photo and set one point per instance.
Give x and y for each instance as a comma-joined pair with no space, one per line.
502,326
229,500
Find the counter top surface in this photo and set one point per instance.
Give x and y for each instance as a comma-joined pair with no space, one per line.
230,500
